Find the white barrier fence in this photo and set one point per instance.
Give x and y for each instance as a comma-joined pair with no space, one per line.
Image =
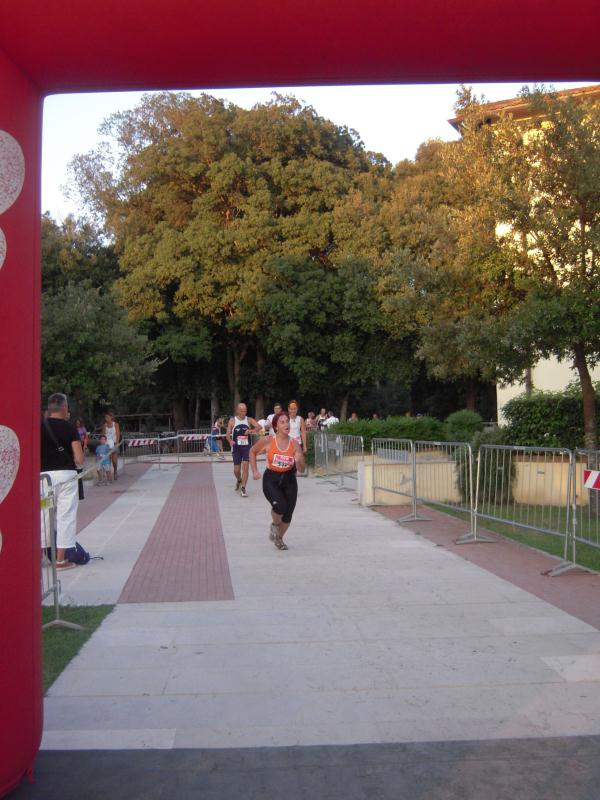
586,506
552,491
50,584
337,456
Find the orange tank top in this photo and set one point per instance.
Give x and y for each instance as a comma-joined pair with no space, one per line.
281,460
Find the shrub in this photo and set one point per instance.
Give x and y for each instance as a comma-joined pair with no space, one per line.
461,426
426,429
545,419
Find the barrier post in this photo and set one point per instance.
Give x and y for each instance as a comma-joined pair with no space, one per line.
474,537
50,582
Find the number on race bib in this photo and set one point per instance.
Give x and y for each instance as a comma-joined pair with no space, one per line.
283,461
242,441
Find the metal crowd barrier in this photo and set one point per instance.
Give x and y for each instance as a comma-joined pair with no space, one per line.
393,466
529,487
50,584
586,502
443,476
543,489
146,447
194,442
337,456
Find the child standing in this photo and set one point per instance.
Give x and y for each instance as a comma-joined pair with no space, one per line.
103,468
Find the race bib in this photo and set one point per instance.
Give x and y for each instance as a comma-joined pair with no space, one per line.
242,441
282,461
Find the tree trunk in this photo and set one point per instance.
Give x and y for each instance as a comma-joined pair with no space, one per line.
230,376
259,404
197,411
590,424
78,403
214,401
235,357
528,382
344,408
471,399
179,414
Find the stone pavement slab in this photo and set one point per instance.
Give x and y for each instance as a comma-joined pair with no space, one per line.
575,591
361,633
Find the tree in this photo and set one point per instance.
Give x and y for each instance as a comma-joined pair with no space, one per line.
441,282
74,251
200,196
89,349
541,184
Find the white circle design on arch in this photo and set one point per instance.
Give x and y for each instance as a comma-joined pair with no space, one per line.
10,456
12,170
12,176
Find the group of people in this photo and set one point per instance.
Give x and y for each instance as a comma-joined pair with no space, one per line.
283,441
63,447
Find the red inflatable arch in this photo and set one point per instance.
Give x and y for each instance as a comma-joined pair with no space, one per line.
68,46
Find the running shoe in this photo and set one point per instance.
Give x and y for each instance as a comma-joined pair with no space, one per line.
238,483
243,492
273,531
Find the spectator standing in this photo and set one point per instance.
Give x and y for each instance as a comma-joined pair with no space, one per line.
322,420
353,417
61,455
331,419
297,425
311,422
83,434
216,443
112,430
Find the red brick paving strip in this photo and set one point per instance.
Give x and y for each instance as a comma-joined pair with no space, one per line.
576,592
184,558
99,498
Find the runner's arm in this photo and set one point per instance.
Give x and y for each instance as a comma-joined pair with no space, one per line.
228,433
256,448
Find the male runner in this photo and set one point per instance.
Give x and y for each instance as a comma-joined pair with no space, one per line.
277,409
239,430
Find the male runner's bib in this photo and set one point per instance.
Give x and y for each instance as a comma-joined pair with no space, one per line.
281,460
240,435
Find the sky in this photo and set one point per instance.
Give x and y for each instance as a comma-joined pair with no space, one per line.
393,120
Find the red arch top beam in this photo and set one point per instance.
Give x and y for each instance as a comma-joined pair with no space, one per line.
71,45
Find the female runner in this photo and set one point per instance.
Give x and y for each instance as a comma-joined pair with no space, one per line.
284,456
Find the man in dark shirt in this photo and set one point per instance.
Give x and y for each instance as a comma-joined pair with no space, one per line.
61,455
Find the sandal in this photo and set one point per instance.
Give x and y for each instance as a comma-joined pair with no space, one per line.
65,564
273,532
280,544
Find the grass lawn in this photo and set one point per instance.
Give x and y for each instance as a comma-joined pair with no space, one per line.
61,644
586,556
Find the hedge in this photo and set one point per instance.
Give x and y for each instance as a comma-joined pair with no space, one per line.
425,428
546,419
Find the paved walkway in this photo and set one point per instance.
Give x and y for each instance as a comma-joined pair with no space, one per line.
366,661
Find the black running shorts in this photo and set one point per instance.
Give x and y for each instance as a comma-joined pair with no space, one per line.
281,490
